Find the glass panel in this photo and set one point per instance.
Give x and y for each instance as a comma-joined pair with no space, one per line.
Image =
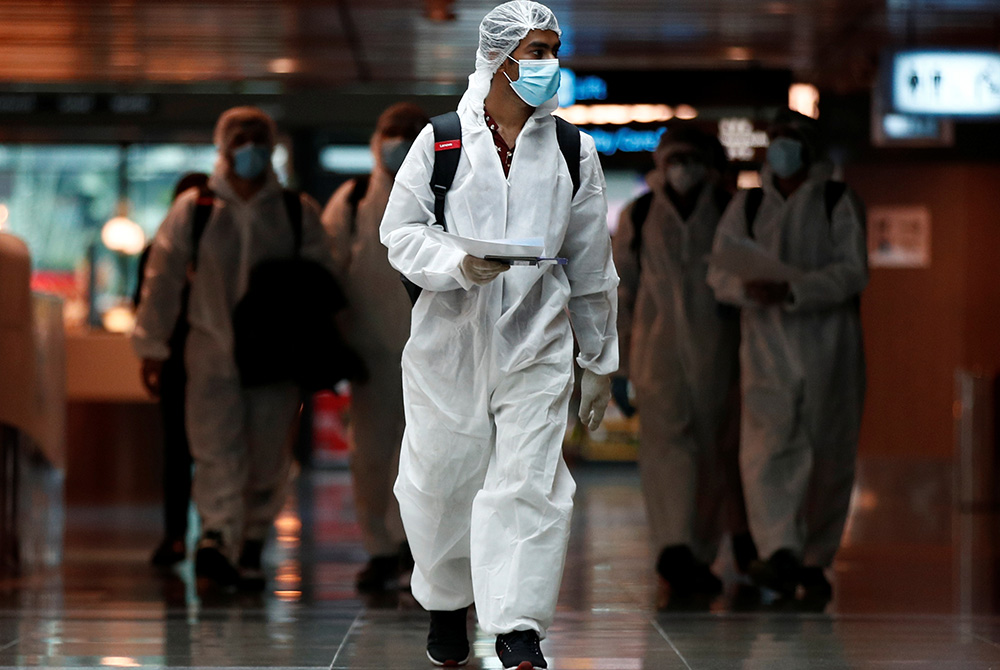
58,198
153,172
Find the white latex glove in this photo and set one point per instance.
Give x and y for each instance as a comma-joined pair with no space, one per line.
480,271
595,394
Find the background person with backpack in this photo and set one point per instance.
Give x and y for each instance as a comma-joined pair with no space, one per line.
239,435
680,350
483,489
378,324
171,390
802,360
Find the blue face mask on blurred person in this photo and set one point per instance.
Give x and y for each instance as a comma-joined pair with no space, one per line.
394,153
537,81
251,160
784,155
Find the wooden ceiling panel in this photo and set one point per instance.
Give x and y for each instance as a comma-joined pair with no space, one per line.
335,42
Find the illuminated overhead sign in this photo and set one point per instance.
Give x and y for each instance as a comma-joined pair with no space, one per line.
946,83
741,139
609,142
573,89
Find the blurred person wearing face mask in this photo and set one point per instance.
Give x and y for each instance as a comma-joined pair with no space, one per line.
802,359
239,436
484,492
378,326
679,349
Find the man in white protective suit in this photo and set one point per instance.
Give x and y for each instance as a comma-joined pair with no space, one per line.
679,348
239,436
378,326
484,493
802,360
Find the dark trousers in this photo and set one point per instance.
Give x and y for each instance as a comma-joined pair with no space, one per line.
176,451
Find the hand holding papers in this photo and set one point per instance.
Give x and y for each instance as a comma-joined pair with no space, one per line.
750,263
511,252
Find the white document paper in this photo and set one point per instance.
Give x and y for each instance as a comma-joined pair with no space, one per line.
529,248
748,261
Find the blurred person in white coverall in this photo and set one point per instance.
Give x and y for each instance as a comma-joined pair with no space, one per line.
239,436
802,359
484,493
378,326
679,348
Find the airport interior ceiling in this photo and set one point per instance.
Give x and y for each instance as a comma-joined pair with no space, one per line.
331,43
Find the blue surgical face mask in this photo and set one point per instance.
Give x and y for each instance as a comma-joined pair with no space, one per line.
537,81
251,160
785,156
393,153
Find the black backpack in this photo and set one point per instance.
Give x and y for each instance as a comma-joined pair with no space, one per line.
284,327
447,151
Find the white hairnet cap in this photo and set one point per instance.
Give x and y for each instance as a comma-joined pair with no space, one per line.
235,119
504,28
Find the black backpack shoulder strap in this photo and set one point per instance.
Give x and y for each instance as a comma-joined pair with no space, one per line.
639,214
447,151
293,205
355,197
755,196
203,206
834,191
568,137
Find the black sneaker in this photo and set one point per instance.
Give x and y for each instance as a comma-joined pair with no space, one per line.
744,551
171,551
780,573
520,650
380,574
816,587
250,567
210,561
448,639
685,574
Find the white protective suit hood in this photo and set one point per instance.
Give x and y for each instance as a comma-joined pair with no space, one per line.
503,29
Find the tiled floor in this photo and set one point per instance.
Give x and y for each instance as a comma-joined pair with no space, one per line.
916,587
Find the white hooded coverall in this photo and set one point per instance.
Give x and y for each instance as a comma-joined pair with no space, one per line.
803,369
680,351
239,437
484,493
378,325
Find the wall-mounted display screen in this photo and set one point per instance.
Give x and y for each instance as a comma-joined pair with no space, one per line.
946,83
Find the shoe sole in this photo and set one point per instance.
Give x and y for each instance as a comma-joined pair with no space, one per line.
527,665
449,663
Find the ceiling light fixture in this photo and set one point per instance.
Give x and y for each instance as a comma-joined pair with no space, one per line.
283,65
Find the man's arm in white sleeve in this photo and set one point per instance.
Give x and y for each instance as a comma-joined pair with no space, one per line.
847,275
415,246
316,243
337,218
593,303
163,284
627,265
732,227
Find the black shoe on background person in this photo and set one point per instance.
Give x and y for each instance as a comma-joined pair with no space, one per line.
780,573
380,574
210,561
171,551
250,567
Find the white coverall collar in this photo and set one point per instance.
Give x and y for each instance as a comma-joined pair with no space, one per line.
818,172
472,103
223,189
